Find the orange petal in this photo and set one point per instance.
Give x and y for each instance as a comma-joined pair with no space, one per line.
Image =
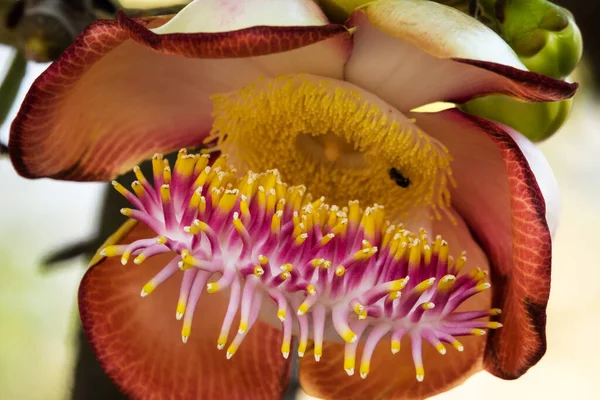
508,197
411,53
138,340
122,92
393,375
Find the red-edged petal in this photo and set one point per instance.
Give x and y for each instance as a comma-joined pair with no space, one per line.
138,342
502,200
110,101
393,375
411,53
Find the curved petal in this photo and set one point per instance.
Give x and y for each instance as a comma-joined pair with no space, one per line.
138,342
411,53
507,195
122,92
393,375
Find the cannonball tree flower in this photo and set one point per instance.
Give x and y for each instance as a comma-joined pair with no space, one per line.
337,214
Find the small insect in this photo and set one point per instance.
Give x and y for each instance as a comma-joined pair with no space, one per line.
398,178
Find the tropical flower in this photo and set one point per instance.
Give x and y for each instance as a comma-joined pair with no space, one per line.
314,108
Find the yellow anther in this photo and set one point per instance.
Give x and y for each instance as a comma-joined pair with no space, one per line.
326,264
446,283
326,239
483,286
458,345
440,348
414,258
460,262
443,251
349,336
494,325
139,259
317,262
212,287
302,348
311,290
125,257
231,350
186,330
428,306
364,369
286,268
349,363
395,346
228,200
300,239
263,260
478,332
318,352
148,288
354,212
165,193
426,284
243,328
341,227
340,270
398,285
495,311
126,211
304,307
285,275
202,205
394,295
221,341
420,373
110,251
258,271
276,222
285,349
161,240
166,172
180,310
281,314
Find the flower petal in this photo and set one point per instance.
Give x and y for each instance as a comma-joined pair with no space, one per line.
110,101
138,342
393,375
411,53
507,195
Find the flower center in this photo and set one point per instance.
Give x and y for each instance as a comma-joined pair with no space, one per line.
322,264
336,139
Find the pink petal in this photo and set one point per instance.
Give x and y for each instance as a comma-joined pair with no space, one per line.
502,184
110,102
412,53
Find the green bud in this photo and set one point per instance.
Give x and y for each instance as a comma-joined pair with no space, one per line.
338,10
544,35
537,121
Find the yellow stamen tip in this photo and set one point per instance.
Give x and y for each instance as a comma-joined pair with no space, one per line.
349,336
139,259
420,373
212,287
395,346
478,332
340,270
440,348
148,288
281,314
126,211
243,328
495,325
258,271
263,260
221,341
364,370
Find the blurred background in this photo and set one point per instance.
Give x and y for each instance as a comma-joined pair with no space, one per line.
38,312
